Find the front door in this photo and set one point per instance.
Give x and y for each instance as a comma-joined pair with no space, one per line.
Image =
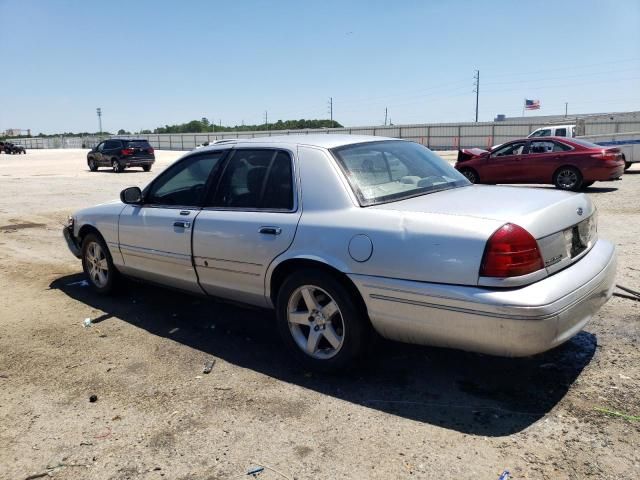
249,220
504,165
155,238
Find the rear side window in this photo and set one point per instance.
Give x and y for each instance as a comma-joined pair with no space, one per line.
541,147
561,132
560,147
256,179
109,144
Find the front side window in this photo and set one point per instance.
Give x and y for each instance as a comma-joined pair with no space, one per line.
256,179
391,170
184,183
100,147
510,149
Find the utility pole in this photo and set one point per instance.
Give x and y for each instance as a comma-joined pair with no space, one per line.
266,119
385,116
99,112
331,109
566,109
476,84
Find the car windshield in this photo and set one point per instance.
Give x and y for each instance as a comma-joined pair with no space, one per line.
391,170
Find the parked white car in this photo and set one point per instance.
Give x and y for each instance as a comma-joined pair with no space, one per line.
346,235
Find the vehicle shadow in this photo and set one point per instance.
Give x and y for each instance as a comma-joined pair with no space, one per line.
108,170
599,189
466,392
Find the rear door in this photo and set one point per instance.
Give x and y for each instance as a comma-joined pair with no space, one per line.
543,158
250,220
155,238
504,165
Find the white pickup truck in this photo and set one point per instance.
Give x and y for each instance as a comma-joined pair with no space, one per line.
628,143
554,131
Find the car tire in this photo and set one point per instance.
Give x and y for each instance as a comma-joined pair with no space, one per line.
93,166
116,166
587,184
471,175
146,168
568,178
627,165
320,322
98,264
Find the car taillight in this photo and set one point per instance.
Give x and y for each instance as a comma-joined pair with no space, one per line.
127,151
150,150
606,155
510,252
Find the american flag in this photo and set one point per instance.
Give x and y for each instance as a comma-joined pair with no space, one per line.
531,104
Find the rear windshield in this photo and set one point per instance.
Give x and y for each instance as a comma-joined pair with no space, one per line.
392,170
584,143
138,144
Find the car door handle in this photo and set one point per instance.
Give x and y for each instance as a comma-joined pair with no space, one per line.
181,224
270,230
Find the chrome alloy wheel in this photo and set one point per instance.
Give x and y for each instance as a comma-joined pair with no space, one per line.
97,264
315,322
567,178
471,176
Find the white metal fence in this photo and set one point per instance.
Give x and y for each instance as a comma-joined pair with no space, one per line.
443,136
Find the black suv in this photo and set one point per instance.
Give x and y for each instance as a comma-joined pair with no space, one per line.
11,148
120,153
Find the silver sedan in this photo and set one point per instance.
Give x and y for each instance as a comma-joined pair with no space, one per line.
345,236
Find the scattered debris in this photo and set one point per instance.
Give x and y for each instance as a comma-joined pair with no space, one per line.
93,398
208,365
255,471
631,294
505,475
624,377
633,418
87,322
86,444
51,470
81,283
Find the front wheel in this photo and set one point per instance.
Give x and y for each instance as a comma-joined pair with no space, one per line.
627,165
471,174
568,178
319,321
93,166
98,264
117,168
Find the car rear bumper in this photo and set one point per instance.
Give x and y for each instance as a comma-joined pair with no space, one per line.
604,173
72,242
137,162
506,322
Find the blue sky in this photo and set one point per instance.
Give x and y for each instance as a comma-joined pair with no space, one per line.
150,63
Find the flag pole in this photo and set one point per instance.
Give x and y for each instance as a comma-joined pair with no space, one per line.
523,104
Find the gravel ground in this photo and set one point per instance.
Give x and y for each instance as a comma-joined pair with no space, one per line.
411,412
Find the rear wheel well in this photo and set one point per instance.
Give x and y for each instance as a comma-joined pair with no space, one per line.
287,267
553,178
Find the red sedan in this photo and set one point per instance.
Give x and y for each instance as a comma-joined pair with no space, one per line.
567,163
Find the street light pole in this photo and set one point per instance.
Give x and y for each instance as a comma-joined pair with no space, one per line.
99,112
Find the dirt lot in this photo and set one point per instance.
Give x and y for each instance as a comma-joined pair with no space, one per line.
413,412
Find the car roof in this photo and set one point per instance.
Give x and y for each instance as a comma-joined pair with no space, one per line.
314,140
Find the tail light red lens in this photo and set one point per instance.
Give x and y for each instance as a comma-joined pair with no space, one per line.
510,252
127,151
606,155
150,150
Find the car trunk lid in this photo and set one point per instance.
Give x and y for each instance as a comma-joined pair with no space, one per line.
558,220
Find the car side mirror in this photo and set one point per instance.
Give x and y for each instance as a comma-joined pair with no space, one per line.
131,196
